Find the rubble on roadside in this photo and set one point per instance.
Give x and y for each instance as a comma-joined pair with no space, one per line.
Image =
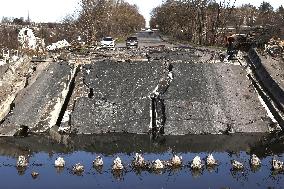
58,45
275,47
8,56
27,39
29,42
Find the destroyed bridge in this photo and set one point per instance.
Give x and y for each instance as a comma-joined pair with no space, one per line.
157,89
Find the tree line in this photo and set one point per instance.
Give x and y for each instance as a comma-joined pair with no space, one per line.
98,18
92,21
206,22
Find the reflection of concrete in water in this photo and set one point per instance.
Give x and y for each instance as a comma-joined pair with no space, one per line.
175,170
109,144
158,171
212,168
118,174
21,170
196,173
139,170
99,169
255,169
274,173
59,170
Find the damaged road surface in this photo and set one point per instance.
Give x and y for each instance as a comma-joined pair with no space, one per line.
166,91
118,98
212,99
37,107
167,97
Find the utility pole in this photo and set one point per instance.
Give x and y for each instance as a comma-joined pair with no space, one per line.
28,20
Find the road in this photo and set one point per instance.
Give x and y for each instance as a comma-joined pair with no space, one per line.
146,39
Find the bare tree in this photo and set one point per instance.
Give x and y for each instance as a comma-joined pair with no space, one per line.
108,17
208,22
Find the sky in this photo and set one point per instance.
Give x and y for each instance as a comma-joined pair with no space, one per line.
56,10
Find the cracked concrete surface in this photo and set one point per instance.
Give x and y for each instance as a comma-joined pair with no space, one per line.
13,79
38,105
120,100
203,98
212,99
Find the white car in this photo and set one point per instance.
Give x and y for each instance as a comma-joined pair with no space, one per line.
108,42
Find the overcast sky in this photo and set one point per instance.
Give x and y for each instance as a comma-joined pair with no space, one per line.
56,10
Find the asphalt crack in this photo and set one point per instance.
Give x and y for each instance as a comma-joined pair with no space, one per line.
71,88
158,109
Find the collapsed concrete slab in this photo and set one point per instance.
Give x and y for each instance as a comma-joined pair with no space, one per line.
269,75
118,99
37,107
212,98
176,92
13,78
201,98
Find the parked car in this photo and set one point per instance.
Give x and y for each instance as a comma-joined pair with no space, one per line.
108,42
132,42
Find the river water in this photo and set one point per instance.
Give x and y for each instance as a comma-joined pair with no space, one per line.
42,152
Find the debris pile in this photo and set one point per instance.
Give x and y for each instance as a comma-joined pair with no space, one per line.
58,45
210,160
237,165
8,56
158,164
196,163
59,162
78,169
27,39
277,165
117,164
22,161
275,47
34,174
98,162
139,161
176,161
255,161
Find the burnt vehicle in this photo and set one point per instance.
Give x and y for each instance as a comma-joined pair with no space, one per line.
132,42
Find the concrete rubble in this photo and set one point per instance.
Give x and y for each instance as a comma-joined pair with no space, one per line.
29,42
268,72
275,47
58,45
12,80
27,39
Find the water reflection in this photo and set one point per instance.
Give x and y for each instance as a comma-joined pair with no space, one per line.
254,168
43,151
118,174
59,170
109,144
99,169
212,168
196,173
21,170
